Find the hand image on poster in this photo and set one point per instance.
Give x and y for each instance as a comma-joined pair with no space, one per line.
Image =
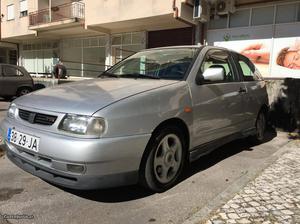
289,57
257,50
257,53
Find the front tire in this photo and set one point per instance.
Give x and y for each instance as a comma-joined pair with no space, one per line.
164,159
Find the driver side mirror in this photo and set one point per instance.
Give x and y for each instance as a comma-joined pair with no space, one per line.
211,75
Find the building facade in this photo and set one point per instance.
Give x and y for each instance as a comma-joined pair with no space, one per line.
8,51
89,36
267,32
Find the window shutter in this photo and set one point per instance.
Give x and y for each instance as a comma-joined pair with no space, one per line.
10,12
23,6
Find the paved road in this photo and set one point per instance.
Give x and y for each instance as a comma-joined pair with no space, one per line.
226,169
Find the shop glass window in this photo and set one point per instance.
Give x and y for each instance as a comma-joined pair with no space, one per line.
240,18
137,38
218,23
262,16
126,38
116,40
286,13
86,42
102,41
94,41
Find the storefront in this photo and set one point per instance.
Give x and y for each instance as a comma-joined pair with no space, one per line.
83,57
268,34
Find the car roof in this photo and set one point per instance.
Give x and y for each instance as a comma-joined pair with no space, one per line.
175,47
191,46
9,64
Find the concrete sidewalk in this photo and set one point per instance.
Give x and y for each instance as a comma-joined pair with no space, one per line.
272,197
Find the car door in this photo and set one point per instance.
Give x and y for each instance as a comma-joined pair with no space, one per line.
11,79
217,108
256,93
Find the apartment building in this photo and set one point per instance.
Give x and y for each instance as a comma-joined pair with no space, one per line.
8,51
89,36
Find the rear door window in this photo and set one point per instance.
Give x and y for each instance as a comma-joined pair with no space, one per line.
10,71
249,72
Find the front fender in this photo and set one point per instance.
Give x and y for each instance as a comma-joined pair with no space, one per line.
142,113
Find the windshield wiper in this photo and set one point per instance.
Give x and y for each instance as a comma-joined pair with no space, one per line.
137,75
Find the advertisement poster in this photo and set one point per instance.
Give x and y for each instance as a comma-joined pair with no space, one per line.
286,58
258,51
274,58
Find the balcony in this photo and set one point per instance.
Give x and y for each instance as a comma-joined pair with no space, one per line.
57,16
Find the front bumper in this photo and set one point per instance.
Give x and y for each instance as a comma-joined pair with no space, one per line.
106,162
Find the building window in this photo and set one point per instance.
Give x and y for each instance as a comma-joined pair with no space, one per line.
23,8
262,16
10,12
240,18
286,13
84,56
218,23
126,44
39,57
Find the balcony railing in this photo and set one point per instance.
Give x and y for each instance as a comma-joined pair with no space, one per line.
74,10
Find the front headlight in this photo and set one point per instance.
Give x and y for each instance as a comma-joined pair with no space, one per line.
12,111
83,125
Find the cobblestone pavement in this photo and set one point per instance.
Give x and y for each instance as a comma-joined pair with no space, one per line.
273,197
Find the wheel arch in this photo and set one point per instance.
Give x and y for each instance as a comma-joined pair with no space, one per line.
169,122
265,109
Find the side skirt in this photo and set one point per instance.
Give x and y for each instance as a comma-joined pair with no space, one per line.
206,148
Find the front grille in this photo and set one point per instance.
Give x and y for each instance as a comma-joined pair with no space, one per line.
37,118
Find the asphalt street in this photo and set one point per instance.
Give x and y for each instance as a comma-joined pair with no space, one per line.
219,175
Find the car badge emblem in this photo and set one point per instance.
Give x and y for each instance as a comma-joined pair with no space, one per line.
31,118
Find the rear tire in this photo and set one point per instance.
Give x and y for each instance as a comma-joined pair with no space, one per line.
23,91
164,159
260,128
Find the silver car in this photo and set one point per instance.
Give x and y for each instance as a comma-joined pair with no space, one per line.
141,121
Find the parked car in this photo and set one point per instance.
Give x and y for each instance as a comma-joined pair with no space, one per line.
14,81
141,121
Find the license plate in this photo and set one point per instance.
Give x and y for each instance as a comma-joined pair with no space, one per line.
24,140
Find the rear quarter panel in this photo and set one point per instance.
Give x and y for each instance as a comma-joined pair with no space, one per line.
256,97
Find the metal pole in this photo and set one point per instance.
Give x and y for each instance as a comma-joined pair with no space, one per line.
50,6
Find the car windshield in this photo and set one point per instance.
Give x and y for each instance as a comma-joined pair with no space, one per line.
170,63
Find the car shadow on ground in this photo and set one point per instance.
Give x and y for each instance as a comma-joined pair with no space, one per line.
223,153
128,193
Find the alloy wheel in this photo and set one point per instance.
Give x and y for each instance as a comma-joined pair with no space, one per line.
167,158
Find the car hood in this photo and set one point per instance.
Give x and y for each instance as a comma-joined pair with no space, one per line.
88,96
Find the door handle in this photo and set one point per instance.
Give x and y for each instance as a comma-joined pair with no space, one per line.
242,90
